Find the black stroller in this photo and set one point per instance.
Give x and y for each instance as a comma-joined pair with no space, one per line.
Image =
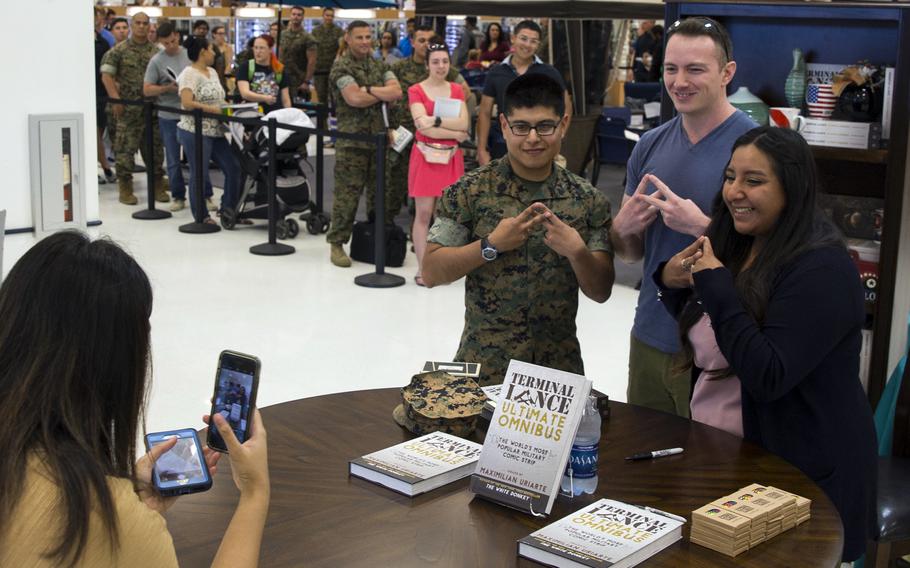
292,189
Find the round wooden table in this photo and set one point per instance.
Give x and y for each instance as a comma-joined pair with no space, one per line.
319,516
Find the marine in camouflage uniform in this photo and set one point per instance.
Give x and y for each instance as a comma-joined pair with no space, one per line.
295,45
126,64
355,161
327,38
409,72
521,305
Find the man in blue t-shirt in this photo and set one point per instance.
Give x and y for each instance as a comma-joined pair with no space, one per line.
673,175
404,44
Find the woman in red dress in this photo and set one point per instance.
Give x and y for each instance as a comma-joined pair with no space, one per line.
441,121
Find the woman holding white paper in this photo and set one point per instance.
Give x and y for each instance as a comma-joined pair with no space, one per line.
441,120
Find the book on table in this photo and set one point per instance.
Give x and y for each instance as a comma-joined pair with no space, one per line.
419,465
604,534
530,437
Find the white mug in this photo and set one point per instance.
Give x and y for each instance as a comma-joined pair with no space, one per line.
787,117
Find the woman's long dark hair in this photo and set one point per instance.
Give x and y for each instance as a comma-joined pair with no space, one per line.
487,40
801,227
74,357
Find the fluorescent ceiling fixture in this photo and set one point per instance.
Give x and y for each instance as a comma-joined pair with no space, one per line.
254,13
356,14
457,18
197,12
150,11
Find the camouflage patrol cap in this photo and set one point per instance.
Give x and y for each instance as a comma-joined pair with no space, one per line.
438,402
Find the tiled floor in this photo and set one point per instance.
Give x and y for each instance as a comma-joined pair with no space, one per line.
315,331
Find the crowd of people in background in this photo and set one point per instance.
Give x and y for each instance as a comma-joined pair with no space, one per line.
746,283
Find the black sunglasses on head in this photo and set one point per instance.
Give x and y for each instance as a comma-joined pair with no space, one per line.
710,26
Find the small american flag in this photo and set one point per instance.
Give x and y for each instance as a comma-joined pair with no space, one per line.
820,100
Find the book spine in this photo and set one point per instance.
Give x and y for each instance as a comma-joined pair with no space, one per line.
385,469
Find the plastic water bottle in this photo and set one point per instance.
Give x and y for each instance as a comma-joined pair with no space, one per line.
581,471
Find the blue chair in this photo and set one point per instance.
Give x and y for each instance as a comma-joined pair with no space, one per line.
475,78
892,523
610,143
648,92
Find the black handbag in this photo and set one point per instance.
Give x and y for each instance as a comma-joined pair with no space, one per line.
363,243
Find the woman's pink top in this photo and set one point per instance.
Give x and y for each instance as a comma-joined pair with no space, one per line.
715,401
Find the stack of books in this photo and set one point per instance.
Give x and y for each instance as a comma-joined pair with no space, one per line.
743,520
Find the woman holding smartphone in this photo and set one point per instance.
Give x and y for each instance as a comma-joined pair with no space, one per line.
436,161
771,308
70,492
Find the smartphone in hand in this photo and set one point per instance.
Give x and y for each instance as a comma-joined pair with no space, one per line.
182,469
236,383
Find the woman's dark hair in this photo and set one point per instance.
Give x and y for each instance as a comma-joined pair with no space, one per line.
800,227
486,35
194,46
74,357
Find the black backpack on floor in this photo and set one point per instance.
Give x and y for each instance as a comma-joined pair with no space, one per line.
363,243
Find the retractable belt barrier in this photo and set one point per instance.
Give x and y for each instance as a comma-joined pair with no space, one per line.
376,279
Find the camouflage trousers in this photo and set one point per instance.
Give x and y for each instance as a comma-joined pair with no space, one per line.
321,82
355,169
129,137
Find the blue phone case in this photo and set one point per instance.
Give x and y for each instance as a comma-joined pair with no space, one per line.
182,469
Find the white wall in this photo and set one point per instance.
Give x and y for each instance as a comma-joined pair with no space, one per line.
53,72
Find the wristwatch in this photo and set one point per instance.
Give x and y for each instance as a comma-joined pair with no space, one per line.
438,122
487,250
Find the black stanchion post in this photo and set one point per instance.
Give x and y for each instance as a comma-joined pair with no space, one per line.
379,278
198,226
317,220
272,248
150,212
322,124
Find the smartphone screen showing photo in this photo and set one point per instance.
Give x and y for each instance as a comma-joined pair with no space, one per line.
233,399
182,465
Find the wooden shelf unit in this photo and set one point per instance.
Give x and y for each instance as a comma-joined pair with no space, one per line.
764,35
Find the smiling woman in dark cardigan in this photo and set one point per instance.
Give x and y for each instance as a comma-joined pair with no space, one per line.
771,286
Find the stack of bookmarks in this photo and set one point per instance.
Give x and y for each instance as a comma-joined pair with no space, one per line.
742,520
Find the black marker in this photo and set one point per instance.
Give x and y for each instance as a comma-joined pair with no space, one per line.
655,454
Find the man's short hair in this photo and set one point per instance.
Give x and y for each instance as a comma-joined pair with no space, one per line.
357,24
472,20
702,26
200,24
296,8
166,29
329,9
411,21
535,90
424,28
116,21
527,25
